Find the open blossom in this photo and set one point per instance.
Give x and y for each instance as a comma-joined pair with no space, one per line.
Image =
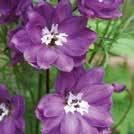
81,104
11,113
10,10
53,37
105,9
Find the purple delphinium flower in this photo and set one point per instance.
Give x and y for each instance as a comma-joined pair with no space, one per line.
52,36
81,104
105,9
10,10
16,55
118,87
11,113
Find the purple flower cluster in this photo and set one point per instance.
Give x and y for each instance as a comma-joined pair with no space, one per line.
11,113
53,36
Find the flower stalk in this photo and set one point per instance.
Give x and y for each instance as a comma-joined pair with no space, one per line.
125,113
47,81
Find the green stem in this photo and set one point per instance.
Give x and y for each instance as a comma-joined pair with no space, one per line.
97,46
122,24
39,95
40,86
125,113
105,58
40,92
92,56
4,50
47,81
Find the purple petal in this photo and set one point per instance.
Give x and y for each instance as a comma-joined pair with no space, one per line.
4,6
50,106
108,9
34,26
20,125
108,14
66,8
8,126
11,10
50,124
64,82
79,60
72,25
53,109
30,54
21,40
78,44
105,131
64,62
46,10
22,6
4,94
105,102
18,106
98,116
93,76
16,55
86,128
64,78
46,57
70,124
96,93
12,126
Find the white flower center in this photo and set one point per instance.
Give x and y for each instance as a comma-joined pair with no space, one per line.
53,37
76,104
4,111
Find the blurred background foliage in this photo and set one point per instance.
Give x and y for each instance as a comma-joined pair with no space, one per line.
114,50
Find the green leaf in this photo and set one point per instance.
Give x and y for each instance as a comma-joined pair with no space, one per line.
124,47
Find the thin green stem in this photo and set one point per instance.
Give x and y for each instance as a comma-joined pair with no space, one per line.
39,95
40,92
47,81
40,86
105,32
97,46
126,112
92,56
4,50
122,24
105,58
